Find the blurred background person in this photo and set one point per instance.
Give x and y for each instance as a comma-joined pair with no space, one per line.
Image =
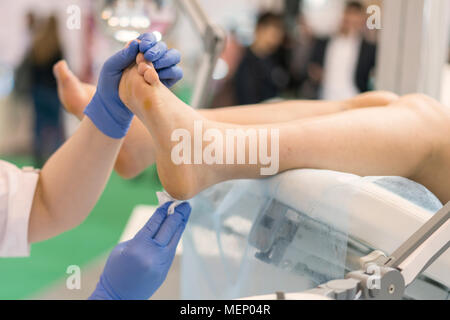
341,65
302,45
22,72
260,75
45,51
224,91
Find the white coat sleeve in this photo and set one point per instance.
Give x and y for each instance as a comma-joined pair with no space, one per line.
17,188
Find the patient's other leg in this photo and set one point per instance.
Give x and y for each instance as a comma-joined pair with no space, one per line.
276,112
296,109
408,139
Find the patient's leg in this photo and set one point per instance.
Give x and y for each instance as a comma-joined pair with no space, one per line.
137,151
276,112
400,140
296,109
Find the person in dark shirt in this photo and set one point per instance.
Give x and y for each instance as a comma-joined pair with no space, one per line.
259,74
341,65
45,52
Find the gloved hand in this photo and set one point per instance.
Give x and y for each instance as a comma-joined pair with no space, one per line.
136,269
106,110
165,61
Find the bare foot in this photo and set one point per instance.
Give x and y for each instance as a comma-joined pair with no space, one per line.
74,94
162,113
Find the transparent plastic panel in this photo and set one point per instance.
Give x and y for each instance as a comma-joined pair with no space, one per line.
242,242
287,233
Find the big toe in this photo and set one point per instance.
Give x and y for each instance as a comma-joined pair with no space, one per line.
62,73
151,76
140,58
142,68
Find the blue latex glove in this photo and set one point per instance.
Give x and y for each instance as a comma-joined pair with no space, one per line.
106,110
136,269
165,61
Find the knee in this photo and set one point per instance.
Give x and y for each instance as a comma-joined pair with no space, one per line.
374,99
125,167
417,100
386,96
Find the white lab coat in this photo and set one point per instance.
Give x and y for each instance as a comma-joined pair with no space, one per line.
17,188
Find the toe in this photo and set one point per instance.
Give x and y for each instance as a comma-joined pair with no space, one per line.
62,73
142,68
151,76
140,58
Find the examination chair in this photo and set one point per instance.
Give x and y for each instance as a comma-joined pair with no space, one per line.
300,229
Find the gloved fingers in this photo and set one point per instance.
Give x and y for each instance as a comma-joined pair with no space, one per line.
147,36
169,83
173,244
171,58
175,73
168,229
129,42
147,41
172,223
154,223
185,210
155,52
170,76
122,59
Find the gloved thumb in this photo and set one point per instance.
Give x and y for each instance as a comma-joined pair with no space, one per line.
122,59
185,210
154,223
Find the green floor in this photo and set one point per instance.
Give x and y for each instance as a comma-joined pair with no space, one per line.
21,278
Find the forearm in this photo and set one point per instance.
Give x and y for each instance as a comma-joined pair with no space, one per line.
136,153
72,181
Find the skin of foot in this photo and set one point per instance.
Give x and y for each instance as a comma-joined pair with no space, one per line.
74,94
162,113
